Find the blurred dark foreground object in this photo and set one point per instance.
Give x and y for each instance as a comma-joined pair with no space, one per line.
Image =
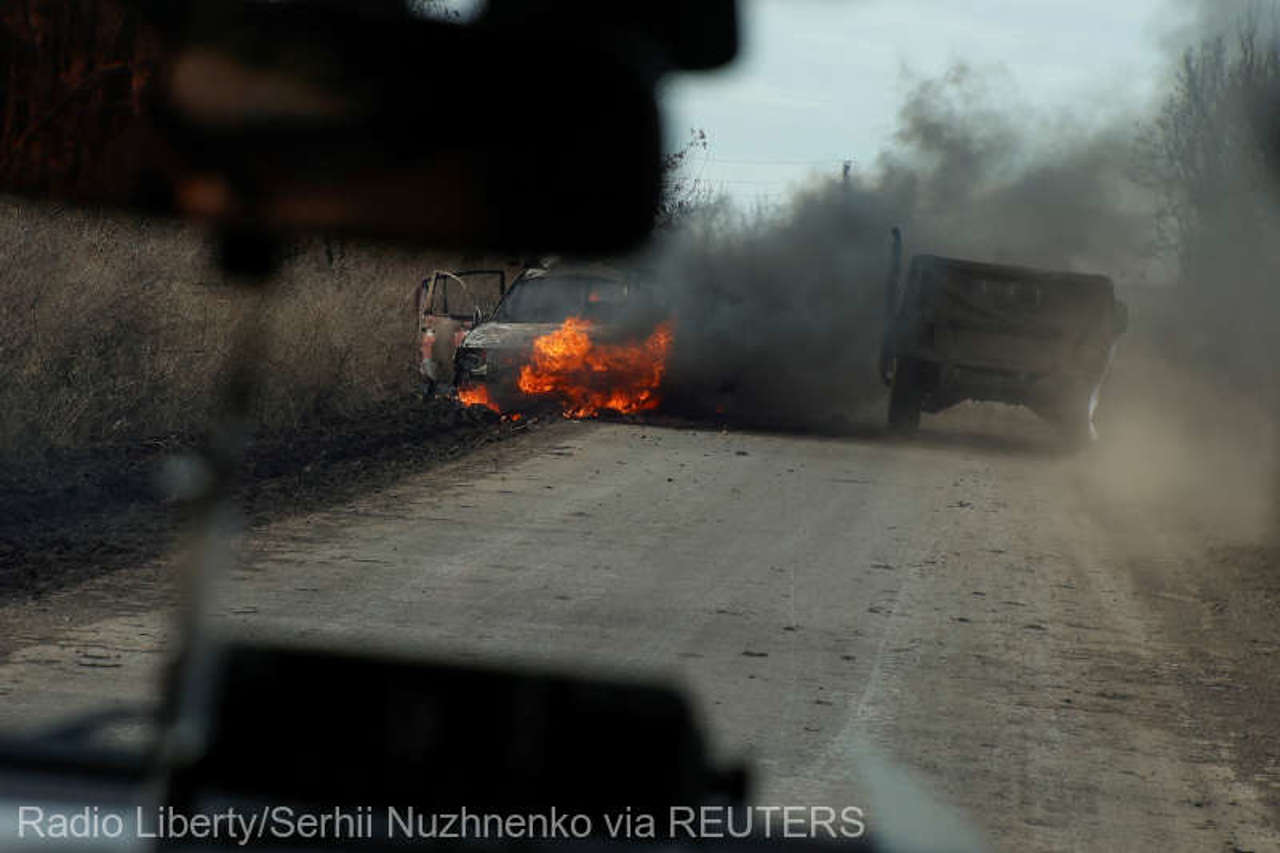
319,728
403,749
535,126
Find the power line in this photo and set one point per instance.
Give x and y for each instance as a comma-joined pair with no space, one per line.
737,162
773,183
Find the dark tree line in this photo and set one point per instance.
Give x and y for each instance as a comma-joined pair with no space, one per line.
74,76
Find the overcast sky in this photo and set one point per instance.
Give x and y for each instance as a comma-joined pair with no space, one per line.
820,81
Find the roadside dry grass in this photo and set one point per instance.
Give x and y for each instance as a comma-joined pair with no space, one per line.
115,330
114,336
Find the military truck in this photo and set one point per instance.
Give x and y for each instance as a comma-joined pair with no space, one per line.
961,330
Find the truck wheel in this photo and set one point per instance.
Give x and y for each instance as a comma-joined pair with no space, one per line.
1074,419
906,397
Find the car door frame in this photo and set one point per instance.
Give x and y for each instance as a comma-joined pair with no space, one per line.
441,332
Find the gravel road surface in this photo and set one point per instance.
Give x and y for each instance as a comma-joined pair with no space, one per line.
971,617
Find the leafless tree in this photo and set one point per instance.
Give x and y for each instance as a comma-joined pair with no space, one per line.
1208,156
681,193
1212,158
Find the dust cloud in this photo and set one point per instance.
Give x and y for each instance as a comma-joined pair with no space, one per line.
1195,402
780,314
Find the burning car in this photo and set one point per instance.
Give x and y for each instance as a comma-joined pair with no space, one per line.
584,337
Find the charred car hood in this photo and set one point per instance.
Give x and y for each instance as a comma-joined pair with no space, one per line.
507,336
520,336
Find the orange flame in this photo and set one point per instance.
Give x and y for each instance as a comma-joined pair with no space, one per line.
477,395
590,377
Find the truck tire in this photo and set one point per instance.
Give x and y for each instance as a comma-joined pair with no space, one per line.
906,397
1074,419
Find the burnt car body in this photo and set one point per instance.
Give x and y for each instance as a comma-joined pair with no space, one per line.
538,303
963,330
449,305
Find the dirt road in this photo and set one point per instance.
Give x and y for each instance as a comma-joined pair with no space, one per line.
969,617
